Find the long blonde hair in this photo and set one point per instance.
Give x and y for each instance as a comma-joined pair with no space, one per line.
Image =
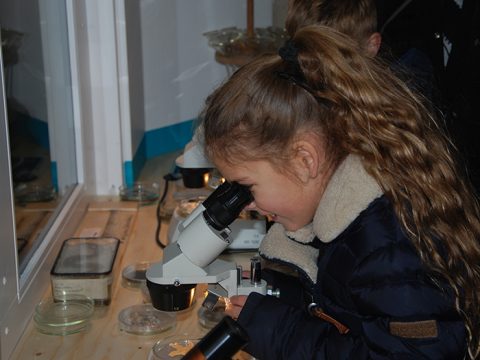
358,106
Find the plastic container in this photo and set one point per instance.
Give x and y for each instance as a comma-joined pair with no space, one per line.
144,319
84,266
65,315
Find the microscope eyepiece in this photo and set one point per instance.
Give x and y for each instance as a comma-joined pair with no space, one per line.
224,205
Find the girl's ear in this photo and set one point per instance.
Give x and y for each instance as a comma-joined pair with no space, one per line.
373,44
308,159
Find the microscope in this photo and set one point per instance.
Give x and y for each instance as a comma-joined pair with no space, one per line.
192,258
198,173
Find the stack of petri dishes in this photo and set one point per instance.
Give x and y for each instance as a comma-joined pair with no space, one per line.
63,315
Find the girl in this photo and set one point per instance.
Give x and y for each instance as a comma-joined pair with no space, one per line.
369,205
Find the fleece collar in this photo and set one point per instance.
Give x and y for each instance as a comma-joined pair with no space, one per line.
350,190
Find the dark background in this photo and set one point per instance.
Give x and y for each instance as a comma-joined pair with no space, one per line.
454,87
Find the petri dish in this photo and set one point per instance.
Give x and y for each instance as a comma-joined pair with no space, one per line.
209,318
145,294
177,346
172,348
144,319
63,316
35,193
141,192
134,275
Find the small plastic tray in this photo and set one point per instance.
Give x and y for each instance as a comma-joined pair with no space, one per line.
67,315
86,256
144,319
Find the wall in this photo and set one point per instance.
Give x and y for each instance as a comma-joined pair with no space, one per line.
164,71
178,66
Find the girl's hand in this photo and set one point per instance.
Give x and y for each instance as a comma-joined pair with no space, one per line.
234,305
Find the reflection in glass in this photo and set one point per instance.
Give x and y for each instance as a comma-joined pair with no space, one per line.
40,116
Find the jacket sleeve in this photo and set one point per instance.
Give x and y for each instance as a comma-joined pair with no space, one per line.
290,287
278,330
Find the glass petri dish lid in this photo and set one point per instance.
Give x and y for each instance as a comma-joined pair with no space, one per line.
135,275
144,319
66,315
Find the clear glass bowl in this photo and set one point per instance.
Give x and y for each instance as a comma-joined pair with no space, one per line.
63,316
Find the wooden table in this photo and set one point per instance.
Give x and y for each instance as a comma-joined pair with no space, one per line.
135,226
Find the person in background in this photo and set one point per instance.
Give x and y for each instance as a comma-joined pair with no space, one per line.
370,207
413,37
367,21
355,18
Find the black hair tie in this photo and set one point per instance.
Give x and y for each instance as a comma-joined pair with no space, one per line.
293,72
289,53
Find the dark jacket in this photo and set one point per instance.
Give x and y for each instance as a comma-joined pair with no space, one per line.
370,279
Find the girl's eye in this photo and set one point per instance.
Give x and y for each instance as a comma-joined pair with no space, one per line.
248,186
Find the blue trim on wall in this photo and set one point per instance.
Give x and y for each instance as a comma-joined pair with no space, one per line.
132,168
128,173
39,131
168,139
26,125
155,143
54,174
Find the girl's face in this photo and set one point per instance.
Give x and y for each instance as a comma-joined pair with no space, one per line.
286,200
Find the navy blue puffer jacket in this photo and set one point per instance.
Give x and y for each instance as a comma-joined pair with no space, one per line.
371,280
